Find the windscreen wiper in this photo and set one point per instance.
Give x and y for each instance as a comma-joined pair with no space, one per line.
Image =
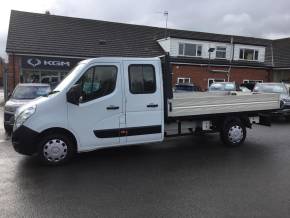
52,92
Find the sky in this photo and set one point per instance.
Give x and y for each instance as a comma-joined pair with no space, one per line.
257,18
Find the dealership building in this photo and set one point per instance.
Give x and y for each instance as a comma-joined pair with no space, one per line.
44,48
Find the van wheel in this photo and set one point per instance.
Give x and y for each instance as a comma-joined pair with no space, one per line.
8,129
233,133
55,149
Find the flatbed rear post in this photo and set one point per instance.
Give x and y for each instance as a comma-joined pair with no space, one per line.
167,83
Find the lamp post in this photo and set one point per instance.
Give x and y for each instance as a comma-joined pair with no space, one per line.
210,50
166,20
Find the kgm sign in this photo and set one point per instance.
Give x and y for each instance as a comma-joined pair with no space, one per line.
34,62
49,63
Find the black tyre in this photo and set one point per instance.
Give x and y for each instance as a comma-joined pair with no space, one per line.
8,129
55,149
233,133
287,118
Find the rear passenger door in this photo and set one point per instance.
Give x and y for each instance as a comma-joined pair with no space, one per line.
143,102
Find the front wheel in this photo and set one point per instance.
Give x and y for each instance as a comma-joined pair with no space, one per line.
8,129
233,133
55,149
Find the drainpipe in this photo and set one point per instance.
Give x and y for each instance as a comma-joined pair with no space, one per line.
14,74
231,58
272,63
5,79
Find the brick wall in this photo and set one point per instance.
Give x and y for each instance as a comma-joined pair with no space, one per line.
199,74
14,65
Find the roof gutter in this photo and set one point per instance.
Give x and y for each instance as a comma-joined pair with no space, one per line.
44,55
216,65
281,68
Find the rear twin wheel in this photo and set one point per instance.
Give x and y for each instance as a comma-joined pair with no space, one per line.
233,133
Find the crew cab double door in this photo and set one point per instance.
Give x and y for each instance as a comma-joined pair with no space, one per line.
122,105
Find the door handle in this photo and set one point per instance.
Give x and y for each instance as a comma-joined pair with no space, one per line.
112,107
152,105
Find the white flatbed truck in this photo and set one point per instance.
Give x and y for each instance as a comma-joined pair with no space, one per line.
106,102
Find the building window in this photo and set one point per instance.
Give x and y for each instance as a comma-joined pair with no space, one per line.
249,54
97,82
187,49
252,81
142,79
183,80
211,80
221,52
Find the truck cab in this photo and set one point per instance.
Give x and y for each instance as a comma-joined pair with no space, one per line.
102,102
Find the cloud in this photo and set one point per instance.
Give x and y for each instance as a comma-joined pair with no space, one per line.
267,18
236,19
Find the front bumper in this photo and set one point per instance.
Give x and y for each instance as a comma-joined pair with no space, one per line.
282,112
8,119
24,140
286,106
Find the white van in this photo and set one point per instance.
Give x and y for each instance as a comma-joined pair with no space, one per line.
121,101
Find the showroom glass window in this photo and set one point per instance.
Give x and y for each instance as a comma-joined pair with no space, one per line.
97,82
142,79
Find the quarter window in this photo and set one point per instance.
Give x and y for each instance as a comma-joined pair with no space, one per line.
187,49
97,82
142,79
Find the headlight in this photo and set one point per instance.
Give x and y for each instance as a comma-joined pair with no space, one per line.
23,116
281,104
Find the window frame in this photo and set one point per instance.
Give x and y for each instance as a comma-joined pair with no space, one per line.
217,50
183,44
129,79
214,80
252,81
94,66
256,52
183,79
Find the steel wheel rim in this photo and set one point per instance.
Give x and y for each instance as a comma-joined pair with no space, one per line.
55,150
236,134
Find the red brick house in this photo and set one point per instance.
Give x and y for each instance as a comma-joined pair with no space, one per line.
43,48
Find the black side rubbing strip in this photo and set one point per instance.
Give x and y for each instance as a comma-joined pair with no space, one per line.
131,131
108,133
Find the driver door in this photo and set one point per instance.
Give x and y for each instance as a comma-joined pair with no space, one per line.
100,109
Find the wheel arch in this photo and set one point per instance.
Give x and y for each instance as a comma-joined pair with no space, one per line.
224,120
62,131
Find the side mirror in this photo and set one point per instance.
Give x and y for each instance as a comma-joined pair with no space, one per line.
74,94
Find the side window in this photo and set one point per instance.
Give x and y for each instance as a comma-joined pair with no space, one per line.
142,79
97,82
